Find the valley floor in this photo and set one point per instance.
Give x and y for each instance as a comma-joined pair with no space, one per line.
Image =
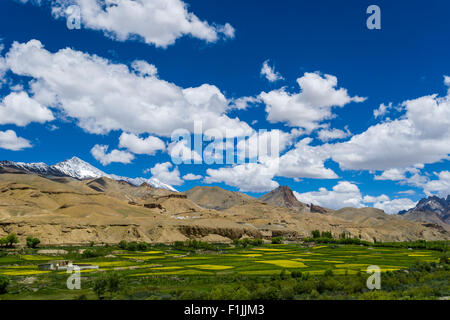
195,270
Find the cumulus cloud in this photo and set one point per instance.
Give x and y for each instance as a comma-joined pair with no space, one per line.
395,206
392,174
344,194
161,171
269,72
265,143
143,68
156,22
347,194
99,152
191,176
19,109
310,107
382,110
305,161
243,103
10,141
103,96
138,145
410,192
421,136
440,186
248,177
333,134
3,66
180,151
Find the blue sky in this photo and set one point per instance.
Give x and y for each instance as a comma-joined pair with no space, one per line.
388,161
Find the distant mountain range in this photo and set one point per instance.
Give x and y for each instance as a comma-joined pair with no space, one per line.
78,169
432,210
73,202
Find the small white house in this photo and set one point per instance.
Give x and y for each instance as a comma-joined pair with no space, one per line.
61,265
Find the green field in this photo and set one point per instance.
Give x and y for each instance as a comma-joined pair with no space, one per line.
165,269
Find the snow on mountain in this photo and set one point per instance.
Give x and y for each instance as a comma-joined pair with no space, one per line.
155,183
79,169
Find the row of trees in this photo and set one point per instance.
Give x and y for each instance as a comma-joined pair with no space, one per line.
11,239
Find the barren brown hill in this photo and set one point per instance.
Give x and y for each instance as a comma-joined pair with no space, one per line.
126,191
217,198
68,211
283,197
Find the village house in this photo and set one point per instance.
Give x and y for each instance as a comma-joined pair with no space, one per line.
60,265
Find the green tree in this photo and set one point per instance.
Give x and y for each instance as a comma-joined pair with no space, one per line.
296,274
4,282
277,240
242,294
327,234
32,242
110,282
12,239
132,246
100,286
315,233
142,246
123,245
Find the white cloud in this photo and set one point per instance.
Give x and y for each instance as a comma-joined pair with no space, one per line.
447,82
305,161
405,176
311,106
227,30
410,192
346,194
143,68
382,110
181,151
138,145
161,171
248,177
269,72
372,199
333,134
440,187
99,152
156,22
243,103
10,141
3,67
421,136
191,176
396,205
392,174
95,91
265,143
19,109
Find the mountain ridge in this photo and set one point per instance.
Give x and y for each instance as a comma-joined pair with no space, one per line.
81,170
432,209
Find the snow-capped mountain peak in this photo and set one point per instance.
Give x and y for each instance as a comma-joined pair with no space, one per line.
79,169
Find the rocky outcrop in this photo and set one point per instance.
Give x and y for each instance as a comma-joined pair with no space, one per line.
283,197
198,231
